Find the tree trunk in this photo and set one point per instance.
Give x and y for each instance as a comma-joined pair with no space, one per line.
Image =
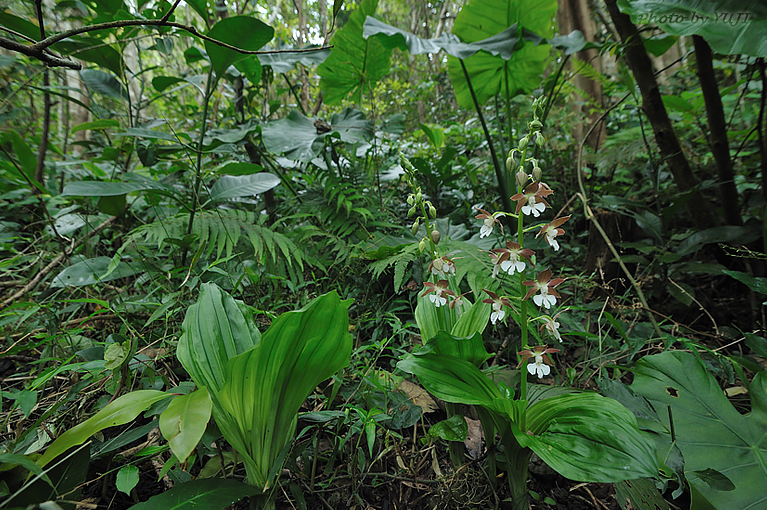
717,125
652,104
576,15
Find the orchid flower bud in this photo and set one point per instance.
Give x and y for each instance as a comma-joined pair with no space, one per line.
521,178
523,142
416,225
435,236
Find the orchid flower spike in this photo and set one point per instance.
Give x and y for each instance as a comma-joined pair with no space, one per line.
545,285
541,364
439,291
498,302
489,221
532,200
552,230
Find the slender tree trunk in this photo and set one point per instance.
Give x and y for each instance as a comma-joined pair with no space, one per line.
717,125
652,104
576,15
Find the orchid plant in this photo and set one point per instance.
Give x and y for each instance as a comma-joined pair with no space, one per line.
582,435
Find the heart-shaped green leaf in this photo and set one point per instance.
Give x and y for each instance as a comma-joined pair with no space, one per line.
710,432
241,32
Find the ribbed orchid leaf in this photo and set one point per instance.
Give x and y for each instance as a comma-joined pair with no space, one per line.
266,385
215,329
123,410
451,379
469,348
184,421
588,437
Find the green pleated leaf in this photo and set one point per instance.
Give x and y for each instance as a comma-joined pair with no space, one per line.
491,75
710,432
266,385
215,329
230,186
590,438
200,494
355,63
123,410
241,32
184,422
473,321
471,349
451,379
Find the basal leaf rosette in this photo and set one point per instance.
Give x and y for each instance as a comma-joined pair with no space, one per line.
589,438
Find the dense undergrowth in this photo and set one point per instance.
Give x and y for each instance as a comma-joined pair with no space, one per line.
425,293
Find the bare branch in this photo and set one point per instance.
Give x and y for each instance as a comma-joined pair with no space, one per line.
51,60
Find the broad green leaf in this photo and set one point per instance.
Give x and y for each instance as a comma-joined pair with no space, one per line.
355,63
640,493
755,283
160,83
239,169
286,60
728,234
200,7
710,432
96,125
20,25
185,420
266,386
90,271
297,137
123,410
92,49
24,153
729,26
451,379
200,494
475,320
127,478
471,349
588,437
502,44
9,459
454,428
572,42
103,83
491,75
215,329
115,355
230,186
241,32
110,189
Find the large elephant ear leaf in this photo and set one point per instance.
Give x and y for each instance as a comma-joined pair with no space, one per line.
241,32
215,329
491,75
355,62
710,432
729,26
588,437
266,386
